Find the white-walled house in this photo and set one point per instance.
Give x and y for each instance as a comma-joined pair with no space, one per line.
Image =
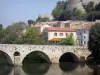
83,35
55,34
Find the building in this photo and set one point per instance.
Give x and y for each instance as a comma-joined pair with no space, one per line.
57,30
65,24
55,34
83,35
41,27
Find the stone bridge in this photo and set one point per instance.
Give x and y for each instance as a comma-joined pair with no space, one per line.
16,53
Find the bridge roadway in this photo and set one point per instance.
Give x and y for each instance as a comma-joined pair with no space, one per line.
15,53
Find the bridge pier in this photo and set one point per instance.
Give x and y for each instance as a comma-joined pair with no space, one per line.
17,61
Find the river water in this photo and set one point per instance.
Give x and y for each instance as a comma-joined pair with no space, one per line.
50,69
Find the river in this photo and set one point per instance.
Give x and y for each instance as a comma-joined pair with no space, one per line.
50,69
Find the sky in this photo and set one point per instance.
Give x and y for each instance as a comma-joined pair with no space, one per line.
22,10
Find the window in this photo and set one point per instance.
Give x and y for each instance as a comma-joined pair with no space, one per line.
84,37
66,34
84,31
55,34
61,34
81,41
84,42
67,25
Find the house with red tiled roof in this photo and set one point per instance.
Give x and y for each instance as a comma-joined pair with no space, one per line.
55,34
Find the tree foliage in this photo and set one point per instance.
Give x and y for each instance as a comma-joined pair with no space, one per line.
32,36
68,41
80,14
42,19
92,16
89,7
93,11
1,32
61,12
13,33
94,41
31,22
97,7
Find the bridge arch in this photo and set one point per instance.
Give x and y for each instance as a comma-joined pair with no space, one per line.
68,57
89,56
7,57
90,59
39,53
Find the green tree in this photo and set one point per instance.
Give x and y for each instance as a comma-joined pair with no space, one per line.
92,16
44,19
1,32
97,7
13,33
93,11
68,41
94,41
32,36
89,7
80,13
1,27
31,22
61,12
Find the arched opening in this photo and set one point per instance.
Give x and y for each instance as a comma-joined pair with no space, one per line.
36,62
36,57
89,56
16,53
90,61
16,58
5,59
5,63
68,57
67,66
68,62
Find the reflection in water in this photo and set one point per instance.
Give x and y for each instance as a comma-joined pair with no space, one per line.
5,69
96,71
36,68
54,69
68,66
82,64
